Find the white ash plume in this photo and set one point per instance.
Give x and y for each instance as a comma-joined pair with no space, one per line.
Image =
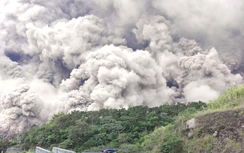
117,77
190,47
77,101
21,110
10,69
204,72
70,42
155,31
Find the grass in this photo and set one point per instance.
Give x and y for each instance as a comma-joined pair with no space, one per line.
205,144
231,98
29,151
172,135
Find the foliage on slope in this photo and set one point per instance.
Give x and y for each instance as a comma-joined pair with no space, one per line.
231,98
122,129
219,128
151,130
4,144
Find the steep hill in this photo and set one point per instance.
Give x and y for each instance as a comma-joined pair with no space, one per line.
217,126
122,129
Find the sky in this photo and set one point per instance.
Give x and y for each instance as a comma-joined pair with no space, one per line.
66,55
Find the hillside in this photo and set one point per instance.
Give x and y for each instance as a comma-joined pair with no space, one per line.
92,131
221,127
194,127
221,131
217,128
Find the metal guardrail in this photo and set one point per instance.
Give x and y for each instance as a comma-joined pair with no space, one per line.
12,150
56,150
41,150
60,150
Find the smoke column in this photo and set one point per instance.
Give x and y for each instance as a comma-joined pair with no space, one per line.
66,55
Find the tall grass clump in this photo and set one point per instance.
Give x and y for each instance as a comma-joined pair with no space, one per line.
232,97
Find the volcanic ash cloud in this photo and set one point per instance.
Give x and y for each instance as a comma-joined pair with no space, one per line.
64,46
21,110
117,77
203,72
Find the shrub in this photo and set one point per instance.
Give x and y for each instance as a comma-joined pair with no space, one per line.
229,99
172,145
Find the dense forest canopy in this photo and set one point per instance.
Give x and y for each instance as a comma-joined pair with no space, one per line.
81,131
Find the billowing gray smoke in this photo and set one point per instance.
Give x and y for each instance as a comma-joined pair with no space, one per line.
21,109
63,55
117,77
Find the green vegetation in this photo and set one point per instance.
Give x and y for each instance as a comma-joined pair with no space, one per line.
231,98
219,128
122,129
223,115
4,144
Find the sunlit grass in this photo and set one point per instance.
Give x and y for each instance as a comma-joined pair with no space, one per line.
232,97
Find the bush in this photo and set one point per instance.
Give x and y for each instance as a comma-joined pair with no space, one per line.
125,148
205,144
172,145
229,99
